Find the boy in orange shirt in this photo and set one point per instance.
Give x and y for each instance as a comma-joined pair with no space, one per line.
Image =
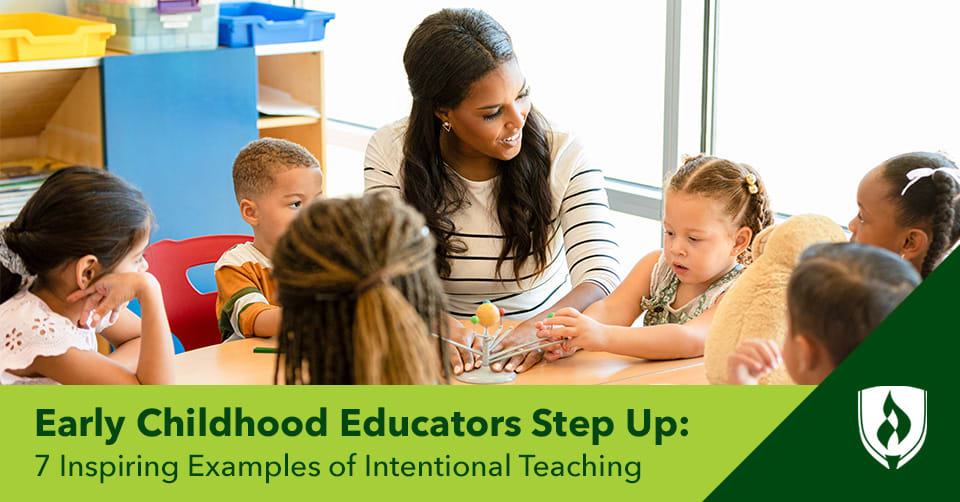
273,179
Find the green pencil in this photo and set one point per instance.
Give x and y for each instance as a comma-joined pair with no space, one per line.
264,350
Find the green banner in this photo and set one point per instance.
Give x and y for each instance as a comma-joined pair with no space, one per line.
880,427
408,442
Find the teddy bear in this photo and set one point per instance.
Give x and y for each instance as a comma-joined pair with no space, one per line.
756,306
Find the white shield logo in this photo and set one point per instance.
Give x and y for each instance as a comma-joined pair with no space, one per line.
893,423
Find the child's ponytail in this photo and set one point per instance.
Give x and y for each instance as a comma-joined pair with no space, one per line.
391,341
946,221
360,295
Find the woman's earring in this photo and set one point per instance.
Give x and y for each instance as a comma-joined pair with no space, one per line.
446,126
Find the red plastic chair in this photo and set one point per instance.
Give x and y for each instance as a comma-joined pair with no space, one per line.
191,314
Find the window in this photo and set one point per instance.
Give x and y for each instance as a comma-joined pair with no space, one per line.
814,94
596,70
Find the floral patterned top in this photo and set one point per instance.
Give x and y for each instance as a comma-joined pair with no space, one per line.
30,329
663,291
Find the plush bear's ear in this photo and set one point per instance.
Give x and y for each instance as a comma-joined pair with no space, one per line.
760,241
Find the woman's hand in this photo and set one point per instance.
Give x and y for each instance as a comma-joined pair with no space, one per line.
461,359
752,360
110,295
581,330
522,334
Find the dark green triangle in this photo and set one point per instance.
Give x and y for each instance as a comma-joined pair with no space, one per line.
816,453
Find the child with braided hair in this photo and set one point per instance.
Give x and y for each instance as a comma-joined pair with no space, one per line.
713,208
910,204
360,295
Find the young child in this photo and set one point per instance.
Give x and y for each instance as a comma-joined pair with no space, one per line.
72,260
909,205
273,179
712,210
360,295
837,295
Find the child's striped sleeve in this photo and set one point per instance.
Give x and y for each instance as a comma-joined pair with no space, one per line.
240,300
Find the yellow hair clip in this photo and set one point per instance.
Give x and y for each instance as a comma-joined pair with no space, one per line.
751,180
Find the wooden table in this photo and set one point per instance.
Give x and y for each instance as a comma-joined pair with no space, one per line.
693,373
235,363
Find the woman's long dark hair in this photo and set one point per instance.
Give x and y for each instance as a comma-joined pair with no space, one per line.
77,211
446,54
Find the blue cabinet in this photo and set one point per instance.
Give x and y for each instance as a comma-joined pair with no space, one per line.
173,124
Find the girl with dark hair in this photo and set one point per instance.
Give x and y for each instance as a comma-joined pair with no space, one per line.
519,215
69,264
360,295
910,204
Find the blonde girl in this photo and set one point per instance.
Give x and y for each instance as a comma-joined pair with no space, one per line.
713,208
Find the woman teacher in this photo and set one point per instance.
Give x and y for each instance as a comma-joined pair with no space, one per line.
519,215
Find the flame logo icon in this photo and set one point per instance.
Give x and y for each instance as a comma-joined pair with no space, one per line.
901,426
898,418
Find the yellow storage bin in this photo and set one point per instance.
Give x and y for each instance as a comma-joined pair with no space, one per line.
36,35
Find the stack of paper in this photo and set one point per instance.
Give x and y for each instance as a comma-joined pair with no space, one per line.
19,180
273,101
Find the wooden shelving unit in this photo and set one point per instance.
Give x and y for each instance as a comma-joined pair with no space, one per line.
159,119
296,69
275,122
51,109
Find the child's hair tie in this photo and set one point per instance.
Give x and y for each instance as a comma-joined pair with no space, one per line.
380,276
751,180
11,260
925,172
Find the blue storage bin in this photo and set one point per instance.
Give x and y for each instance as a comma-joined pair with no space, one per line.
252,23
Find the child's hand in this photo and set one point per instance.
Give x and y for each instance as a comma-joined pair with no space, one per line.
555,352
109,295
752,360
582,331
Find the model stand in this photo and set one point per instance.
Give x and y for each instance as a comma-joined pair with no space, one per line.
488,316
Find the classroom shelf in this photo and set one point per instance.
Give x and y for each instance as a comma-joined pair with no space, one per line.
294,48
170,123
50,64
274,122
296,69
51,113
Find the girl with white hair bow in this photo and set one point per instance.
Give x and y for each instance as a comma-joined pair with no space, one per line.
909,204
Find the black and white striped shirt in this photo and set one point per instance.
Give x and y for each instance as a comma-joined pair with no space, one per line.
582,247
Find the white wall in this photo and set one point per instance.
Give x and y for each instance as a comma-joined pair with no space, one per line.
16,6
